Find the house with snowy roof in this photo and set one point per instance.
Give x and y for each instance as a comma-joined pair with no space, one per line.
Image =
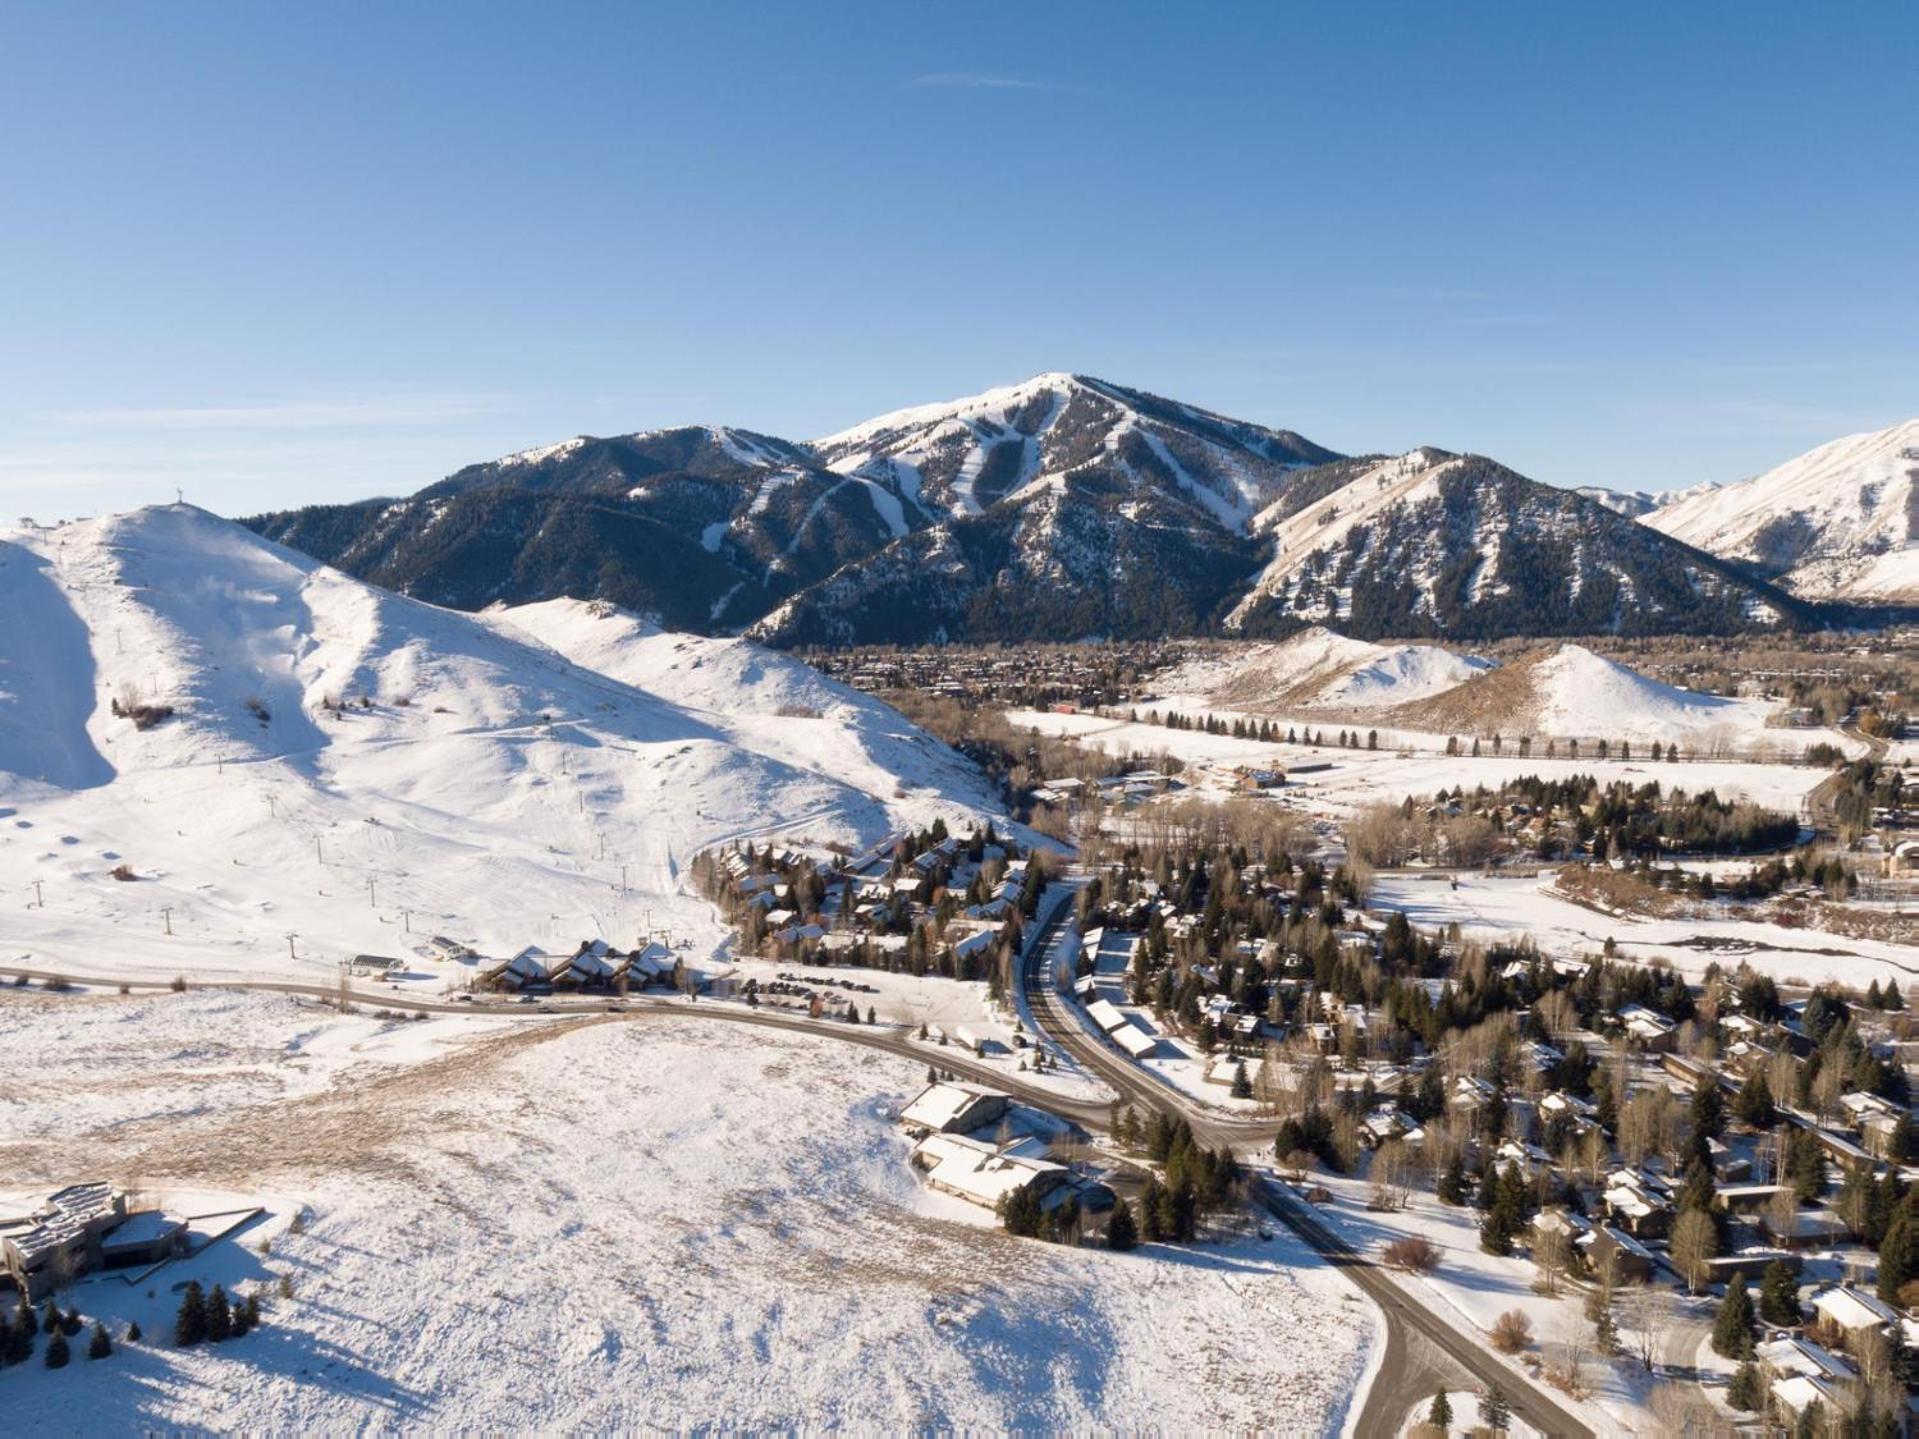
954,1107
1846,1313
531,966
76,1230
984,1173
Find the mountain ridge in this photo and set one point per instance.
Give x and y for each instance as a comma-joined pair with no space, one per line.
1061,507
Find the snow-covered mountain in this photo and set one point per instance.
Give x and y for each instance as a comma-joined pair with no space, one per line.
965,455
1432,543
703,527
1070,507
1060,508
336,760
960,518
1633,504
1839,522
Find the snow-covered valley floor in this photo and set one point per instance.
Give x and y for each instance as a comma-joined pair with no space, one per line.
610,1225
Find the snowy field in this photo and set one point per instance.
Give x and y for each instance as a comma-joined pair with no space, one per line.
1407,763
1495,908
612,1225
1561,692
348,771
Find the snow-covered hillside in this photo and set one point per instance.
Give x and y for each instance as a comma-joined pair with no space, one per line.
1318,668
363,770
768,701
1571,693
613,1228
1841,521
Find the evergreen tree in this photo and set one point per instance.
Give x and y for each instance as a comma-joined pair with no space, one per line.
1495,1232
219,1316
1494,1412
1902,1146
1242,1082
1699,1189
28,1324
1440,1416
190,1324
1151,1211
57,1351
1181,1212
1743,1393
70,1325
1488,1188
100,1346
1779,1295
1515,1195
1606,1332
1898,1257
1122,1233
1754,1103
1732,1328
16,1337
133,1331
1452,1183
253,1310
1708,1110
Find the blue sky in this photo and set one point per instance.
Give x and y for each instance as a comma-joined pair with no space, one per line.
280,254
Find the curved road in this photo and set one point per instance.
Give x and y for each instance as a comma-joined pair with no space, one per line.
1423,1350
891,1040
1819,799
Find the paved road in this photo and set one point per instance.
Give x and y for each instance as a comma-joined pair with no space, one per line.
889,1038
1820,798
1423,1350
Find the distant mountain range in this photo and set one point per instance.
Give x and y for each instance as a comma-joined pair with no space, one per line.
1840,522
1069,507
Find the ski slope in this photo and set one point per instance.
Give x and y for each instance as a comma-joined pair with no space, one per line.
360,771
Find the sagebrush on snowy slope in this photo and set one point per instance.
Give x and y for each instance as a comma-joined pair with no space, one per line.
623,1225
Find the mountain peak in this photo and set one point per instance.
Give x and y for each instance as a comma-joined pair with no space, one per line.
1840,521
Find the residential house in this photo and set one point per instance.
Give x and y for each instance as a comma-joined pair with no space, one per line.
73,1231
1633,1262
984,1174
1845,1313
954,1107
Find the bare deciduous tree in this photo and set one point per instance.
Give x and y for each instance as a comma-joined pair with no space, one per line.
1644,1314
1695,1243
1552,1252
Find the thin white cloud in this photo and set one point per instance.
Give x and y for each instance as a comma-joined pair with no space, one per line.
976,80
350,414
